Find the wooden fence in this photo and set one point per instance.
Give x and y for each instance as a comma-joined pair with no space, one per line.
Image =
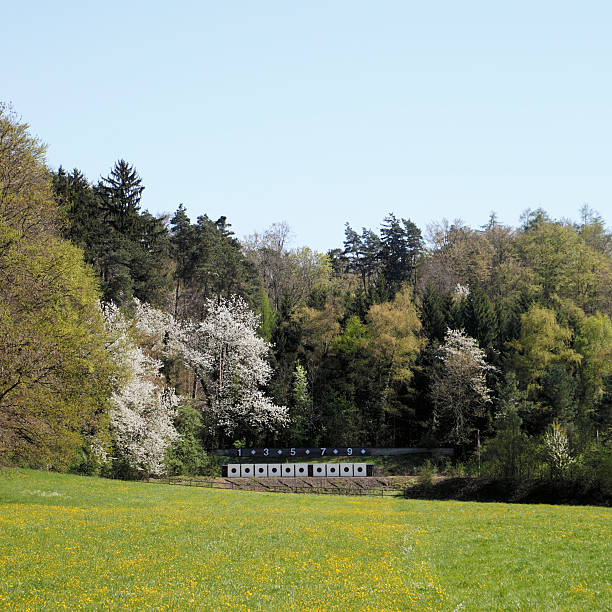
302,487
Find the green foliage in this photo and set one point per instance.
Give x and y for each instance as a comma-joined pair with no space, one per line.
594,465
267,317
301,397
393,345
186,456
434,314
300,407
121,192
564,265
353,337
129,249
365,321
479,318
557,392
362,255
594,343
54,340
401,248
426,473
209,261
510,453
55,373
542,343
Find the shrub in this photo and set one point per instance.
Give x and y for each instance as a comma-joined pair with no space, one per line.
186,456
426,473
594,467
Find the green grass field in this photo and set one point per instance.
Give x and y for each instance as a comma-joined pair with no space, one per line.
84,543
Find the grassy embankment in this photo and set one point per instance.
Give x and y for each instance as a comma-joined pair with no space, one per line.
86,543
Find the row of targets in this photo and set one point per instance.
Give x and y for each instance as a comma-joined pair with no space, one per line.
296,470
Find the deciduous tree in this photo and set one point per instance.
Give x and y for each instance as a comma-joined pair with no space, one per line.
459,388
52,338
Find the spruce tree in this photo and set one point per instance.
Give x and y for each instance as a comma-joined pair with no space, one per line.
121,192
479,316
433,316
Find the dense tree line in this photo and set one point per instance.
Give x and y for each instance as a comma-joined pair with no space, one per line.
398,337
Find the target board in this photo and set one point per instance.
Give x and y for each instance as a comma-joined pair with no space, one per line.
297,470
281,454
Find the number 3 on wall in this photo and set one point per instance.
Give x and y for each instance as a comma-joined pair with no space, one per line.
266,452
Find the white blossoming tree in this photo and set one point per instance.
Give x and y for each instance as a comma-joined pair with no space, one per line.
459,388
231,361
142,407
557,449
227,356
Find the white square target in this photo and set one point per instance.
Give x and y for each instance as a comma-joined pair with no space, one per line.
318,470
288,470
301,469
233,470
333,469
274,470
346,470
247,470
359,469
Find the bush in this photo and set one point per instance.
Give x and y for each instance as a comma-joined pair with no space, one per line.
186,456
85,463
594,467
459,470
426,473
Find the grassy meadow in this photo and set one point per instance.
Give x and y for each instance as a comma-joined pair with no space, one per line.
70,542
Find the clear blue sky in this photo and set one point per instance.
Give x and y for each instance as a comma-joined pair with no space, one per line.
319,113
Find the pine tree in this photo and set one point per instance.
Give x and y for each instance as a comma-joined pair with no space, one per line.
81,205
401,245
183,248
121,192
479,317
433,314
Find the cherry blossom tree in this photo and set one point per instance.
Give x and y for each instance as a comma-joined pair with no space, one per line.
142,406
227,356
459,388
557,449
232,361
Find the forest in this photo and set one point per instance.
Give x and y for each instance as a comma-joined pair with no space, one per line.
132,344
